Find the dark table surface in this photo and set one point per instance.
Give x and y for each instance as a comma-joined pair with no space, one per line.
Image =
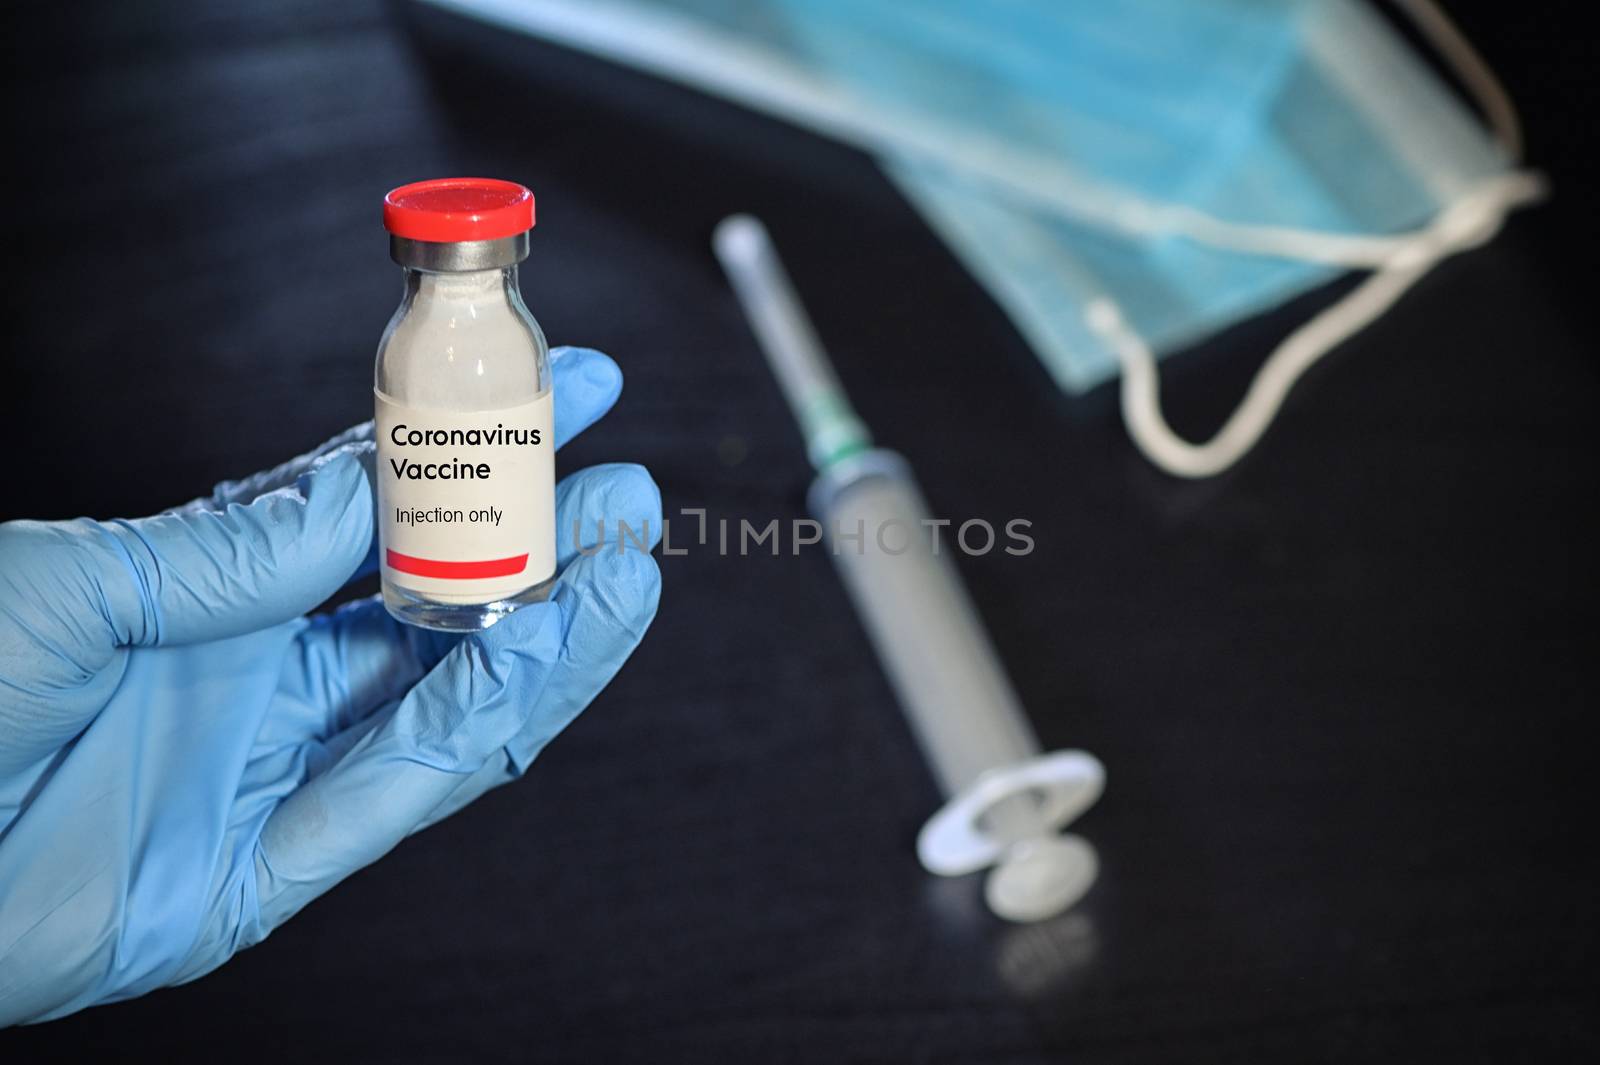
1340,691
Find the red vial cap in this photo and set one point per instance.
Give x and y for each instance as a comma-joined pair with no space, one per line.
447,210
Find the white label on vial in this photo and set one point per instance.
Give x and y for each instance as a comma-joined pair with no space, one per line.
466,499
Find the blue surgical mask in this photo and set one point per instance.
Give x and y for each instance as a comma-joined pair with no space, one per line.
1126,178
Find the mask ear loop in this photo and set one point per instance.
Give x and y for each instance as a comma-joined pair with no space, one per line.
1470,221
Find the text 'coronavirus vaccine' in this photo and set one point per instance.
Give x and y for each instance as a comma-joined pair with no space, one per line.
463,425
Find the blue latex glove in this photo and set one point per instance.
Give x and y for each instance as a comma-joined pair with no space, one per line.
186,760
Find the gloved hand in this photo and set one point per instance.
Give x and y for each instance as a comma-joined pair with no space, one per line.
186,760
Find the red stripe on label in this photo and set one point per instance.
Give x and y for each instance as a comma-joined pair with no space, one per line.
459,571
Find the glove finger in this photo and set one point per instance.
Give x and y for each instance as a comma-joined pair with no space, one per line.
595,658
586,385
604,633
390,771
604,507
359,658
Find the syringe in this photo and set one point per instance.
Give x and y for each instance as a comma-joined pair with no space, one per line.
1006,801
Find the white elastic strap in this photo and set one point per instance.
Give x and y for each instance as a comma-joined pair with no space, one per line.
1467,223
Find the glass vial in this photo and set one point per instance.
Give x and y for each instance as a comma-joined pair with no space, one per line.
465,444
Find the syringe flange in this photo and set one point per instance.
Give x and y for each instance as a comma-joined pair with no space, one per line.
1065,784
1037,872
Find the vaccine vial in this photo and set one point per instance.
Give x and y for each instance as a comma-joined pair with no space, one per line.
463,425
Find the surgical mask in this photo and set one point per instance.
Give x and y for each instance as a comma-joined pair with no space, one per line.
1125,178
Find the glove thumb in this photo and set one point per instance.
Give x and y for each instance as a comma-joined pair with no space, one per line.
205,573
72,593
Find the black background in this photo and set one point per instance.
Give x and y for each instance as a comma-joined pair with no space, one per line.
1340,691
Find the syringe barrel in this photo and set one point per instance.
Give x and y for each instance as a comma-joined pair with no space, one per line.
927,633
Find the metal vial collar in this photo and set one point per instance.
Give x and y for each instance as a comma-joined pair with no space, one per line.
459,256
